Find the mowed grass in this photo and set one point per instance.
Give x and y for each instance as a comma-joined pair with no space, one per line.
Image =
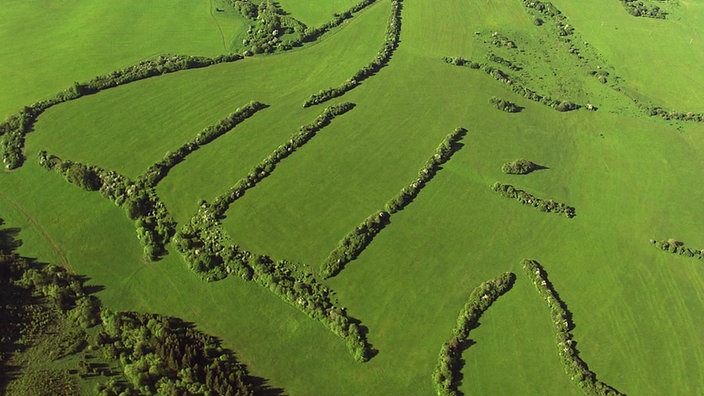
48,45
636,309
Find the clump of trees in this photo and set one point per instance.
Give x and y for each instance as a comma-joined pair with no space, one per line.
448,371
14,129
154,224
505,105
638,8
393,33
271,24
677,247
526,198
574,366
499,75
548,11
354,243
159,170
519,167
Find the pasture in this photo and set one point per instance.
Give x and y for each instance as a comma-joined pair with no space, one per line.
631,177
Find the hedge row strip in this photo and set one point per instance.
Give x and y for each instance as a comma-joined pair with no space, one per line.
393,33
448,371
574,366
677,247
156,172
14,129
354,243
527,198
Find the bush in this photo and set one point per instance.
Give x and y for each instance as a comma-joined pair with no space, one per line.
505,105
519,167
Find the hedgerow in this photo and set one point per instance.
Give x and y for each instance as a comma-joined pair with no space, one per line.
312,34
154,224
14,129
575,367
354,243
526,198
448,370
638,8
393,33
159,170
677,247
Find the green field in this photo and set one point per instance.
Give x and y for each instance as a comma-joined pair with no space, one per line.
631,177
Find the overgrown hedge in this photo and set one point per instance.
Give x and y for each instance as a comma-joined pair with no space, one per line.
268,164
448,371
526,198
159,170
656,111
575,367
638,8
354,243
153,223
677,247
312,34
14,129
505,105
393,33
499,75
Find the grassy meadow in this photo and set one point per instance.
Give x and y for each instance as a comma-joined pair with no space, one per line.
631,178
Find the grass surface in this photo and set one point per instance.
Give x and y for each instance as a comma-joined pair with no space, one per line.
631,178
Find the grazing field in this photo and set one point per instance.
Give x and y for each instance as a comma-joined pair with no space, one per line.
630,177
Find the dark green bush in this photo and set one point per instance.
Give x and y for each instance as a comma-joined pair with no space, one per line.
519,167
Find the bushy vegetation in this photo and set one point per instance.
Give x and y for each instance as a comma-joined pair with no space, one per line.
519,167
526,198
354,243
574,366
153,223
14,129
638,8
548,11
677,247
656,111
312,34
393,32
448,371
505,105
499,75
271,25
159,170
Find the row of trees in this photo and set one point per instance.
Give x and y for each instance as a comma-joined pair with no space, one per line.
638,9
354,243
14,129
448,371
526,198
677,247
499,75
312,34
574,366
159,170
208,250
393,33
154,224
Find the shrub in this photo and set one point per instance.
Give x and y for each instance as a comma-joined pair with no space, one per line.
519,167
505,105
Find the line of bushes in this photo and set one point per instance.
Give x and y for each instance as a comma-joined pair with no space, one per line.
159,170
209,251
154,224
499,75
448,371
354,243
677,247
638,9
548,10
268,164
393,33
526,198
656,111
574,366
505,105
14,129
312,34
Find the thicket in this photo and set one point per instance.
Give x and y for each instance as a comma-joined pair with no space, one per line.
638,8
526,198
548,10
209,252
164,355
574,366
159,170
519,167
354,243
499,75
505,105
393,33
14,129
448,371
154,224
267,165
271,25
677,247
